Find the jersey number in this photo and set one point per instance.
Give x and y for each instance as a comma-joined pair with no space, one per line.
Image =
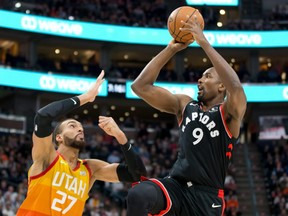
198,135
61,201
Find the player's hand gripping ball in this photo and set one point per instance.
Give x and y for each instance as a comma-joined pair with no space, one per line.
174,22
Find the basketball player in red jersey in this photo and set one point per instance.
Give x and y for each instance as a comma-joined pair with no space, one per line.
59,181
208,129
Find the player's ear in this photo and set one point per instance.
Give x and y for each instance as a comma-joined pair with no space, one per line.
59,138
221,87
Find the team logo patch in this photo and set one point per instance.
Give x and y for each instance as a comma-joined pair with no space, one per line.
214,109
193,104
83,173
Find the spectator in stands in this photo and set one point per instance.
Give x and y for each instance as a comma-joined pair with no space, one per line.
142,134
8,209
232,204
275,158
229,184
243,73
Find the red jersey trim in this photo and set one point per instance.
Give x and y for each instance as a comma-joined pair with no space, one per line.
46,170
181,120
224,122
221,195
77,166
169,202
162,187
85,163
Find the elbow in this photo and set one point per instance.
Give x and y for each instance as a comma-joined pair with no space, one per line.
140,86
142,90
136,87
39,118
42,125
42,118
139,175
143,172
139,172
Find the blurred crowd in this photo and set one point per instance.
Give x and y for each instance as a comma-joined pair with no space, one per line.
152,13
157,145
232,206
157,148
275,163
274,74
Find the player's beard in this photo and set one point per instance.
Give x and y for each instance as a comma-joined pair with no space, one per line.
74,143
200,97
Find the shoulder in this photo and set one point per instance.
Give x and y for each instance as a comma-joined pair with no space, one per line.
103,171
183,97
183,100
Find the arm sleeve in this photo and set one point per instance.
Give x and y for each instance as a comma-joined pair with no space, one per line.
134,167
44,116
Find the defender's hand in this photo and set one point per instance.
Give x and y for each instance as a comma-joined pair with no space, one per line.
94,89
111,128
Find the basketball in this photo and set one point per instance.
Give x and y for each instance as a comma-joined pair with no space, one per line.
174,22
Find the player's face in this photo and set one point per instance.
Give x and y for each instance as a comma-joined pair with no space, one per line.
73,134
208,85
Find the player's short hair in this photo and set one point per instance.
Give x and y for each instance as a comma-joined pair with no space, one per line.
57,130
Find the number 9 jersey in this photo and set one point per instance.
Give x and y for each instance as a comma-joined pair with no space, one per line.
58,190
206,146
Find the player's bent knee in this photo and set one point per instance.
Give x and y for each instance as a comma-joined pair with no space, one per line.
135,195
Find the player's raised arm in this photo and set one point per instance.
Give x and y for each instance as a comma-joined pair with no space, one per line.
235,105
158,97
130,171
43,150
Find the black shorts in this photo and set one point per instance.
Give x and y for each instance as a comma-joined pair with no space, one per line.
186,199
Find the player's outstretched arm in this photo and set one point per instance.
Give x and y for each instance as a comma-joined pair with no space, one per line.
43,148
131,171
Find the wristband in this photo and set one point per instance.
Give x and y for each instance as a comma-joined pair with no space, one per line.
126,147
134,167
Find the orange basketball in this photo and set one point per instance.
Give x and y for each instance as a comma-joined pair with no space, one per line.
174,22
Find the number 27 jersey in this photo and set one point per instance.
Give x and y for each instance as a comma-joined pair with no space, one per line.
58,190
